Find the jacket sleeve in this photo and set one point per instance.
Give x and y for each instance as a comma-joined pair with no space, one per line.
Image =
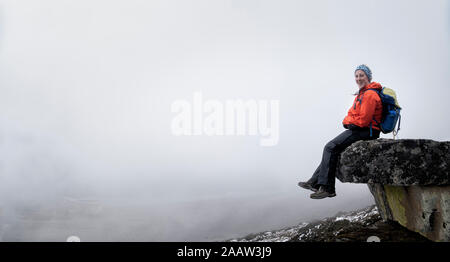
367,110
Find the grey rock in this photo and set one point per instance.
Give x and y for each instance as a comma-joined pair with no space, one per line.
399,162
409,179
422,209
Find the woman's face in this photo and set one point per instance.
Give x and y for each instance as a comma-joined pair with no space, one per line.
361,79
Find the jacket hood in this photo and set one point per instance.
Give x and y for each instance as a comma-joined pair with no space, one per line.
373,85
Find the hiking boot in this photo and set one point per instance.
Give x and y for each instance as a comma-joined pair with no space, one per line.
307,185
323,192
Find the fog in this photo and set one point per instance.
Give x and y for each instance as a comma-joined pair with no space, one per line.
86,88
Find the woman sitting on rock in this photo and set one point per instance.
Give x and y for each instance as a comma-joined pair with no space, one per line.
361,124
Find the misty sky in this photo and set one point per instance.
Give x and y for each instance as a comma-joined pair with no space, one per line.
86,89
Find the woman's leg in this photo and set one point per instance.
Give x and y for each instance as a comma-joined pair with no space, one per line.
315,177
325,173
331,152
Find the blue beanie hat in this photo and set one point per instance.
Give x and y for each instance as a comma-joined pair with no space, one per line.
366,70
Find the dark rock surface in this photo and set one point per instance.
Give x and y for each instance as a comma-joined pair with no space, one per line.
356,226
399,162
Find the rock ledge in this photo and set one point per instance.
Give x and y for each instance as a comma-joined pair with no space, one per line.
409,179
396,162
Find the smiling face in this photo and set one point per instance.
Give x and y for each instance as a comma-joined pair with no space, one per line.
361,78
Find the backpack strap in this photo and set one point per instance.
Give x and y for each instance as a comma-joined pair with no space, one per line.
395,132
360,99
378,123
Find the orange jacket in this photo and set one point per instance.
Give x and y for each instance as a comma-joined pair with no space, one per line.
365,108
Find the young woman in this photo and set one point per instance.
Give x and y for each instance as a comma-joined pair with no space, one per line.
361,124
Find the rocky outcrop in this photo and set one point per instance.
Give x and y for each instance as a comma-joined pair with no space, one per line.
402,162
409,179
363,225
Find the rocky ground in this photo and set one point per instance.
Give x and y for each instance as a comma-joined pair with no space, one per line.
357,226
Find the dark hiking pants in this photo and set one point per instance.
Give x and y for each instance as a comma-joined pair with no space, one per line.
325,173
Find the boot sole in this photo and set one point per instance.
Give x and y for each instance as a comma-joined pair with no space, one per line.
322,197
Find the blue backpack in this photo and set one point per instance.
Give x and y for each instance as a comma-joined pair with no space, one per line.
391,111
